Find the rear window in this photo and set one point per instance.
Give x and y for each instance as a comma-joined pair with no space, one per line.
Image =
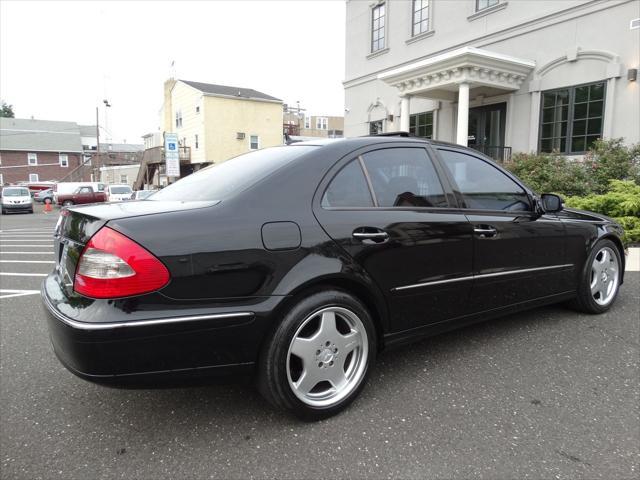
117,190
220,181
15,192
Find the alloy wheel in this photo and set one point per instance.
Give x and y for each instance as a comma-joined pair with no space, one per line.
605,276
327,357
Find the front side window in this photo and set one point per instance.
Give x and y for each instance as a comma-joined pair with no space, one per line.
32,158
378,17
255,142
482,4
420,17
483,186
64,160
421,124
571,119
375,127
348,188
404,177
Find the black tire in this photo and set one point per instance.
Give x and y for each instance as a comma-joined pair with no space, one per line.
273,374
585,301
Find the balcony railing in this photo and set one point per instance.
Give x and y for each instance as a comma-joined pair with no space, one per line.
499,153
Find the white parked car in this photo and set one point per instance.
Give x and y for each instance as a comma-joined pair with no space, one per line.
118,193
16,199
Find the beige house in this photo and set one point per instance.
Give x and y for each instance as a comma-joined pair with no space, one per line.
218,122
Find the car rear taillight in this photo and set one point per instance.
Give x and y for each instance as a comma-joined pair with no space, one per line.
113,266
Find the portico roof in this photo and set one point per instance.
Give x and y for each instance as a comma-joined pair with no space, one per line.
439,76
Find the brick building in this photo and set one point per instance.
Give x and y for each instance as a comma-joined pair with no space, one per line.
38,150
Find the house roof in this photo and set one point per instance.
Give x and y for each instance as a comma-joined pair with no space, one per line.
39,135
87,130
227,91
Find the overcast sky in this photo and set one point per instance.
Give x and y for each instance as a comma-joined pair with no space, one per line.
59,60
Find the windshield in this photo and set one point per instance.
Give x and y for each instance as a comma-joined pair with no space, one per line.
118,190
15,192
220,181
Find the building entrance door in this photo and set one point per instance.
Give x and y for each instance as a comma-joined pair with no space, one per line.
486,130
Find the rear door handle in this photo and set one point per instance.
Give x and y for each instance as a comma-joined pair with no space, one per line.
485,231
370,235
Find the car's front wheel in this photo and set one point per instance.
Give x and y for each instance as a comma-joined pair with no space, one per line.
318,358
600,279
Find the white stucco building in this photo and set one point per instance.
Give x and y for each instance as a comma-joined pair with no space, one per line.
498,75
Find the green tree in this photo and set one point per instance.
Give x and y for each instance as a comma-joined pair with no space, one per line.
6,110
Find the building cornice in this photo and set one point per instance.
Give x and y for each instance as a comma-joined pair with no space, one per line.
532,25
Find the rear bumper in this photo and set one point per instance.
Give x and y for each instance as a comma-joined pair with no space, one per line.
150,350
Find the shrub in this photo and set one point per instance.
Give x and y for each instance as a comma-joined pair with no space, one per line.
546,173
612,160
622,202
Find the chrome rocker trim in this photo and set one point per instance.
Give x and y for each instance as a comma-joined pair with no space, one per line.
484,275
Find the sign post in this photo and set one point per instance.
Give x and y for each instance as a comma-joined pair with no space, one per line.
171,155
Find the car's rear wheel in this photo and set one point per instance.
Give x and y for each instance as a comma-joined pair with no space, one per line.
318,358
600,279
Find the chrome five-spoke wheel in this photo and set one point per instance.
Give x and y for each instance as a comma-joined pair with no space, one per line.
605,274
327,356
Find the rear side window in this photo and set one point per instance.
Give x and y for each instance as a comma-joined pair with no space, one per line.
482,185
223,180
348,188
404,177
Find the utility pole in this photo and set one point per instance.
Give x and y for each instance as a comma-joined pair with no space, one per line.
97,146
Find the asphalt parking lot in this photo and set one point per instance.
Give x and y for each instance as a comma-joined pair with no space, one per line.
544,394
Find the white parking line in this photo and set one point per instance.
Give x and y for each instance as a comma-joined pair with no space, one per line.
9,252
27,261
26,246
17,293
16,274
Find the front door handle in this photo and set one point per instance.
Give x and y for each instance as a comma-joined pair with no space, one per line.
485,231
370,235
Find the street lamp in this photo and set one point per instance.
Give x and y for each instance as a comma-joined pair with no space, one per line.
107,105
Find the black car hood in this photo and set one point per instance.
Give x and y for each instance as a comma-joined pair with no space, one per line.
585,216
113,211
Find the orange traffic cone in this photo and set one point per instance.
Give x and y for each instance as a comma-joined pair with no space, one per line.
47,207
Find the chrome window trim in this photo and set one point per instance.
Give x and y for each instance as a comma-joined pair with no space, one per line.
484,275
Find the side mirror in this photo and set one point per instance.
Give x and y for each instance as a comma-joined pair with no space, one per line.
551,203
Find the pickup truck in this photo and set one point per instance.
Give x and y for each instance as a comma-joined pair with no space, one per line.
81,195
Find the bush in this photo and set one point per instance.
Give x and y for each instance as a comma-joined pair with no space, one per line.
622,202
547,173
612,160
606,160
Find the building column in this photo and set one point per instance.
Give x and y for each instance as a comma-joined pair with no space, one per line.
405,101
462,132
609,102
534,120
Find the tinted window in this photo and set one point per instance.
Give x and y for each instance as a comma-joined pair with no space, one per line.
348,188
233,176
482,185
404,177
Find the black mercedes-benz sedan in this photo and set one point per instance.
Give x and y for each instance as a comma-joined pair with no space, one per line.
298,264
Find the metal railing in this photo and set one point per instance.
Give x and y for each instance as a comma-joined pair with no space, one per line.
499,153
